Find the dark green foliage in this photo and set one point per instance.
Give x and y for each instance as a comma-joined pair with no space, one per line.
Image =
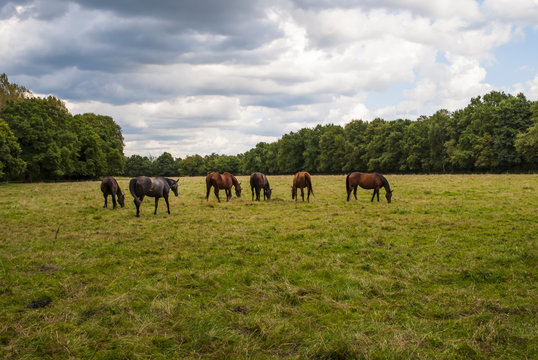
494,133
11,165
10,91
57,145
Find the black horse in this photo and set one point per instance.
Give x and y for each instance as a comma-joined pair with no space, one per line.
259,181
109,186
157,188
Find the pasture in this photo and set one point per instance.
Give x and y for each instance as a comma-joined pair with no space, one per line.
448,270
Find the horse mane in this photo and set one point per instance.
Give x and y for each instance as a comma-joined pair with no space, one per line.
385,183
234,180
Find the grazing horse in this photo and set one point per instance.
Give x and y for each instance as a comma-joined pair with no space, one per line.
259,181
157,188
109,186
367,181
222,181
301,180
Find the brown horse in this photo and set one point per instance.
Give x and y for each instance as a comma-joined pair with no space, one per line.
109,186
222,181
259,181
302,180
367,181
157,188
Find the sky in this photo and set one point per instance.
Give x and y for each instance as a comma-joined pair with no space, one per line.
211,76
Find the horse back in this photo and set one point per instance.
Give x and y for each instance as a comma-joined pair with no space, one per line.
228,180
365,180
109,185
301,179
258,180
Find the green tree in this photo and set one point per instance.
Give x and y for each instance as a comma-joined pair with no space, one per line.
136,165
355,132
11,165
332,145
165,165
193,165
111,143
290,153
43,130
526,142
11,92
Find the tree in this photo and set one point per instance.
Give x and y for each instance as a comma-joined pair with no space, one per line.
137,165
290,153
355,133
111,143
165,165
43,130
193,165
11,92
332,147
11,165
526,142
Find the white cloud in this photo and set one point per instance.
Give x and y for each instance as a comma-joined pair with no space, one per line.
222,86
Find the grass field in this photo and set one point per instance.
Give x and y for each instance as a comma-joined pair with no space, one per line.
448,270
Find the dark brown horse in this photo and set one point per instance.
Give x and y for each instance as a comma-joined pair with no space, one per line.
222,181
302,180
367,181
109,186
157,188
259,181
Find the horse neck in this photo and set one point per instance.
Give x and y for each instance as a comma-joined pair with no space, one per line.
234,181
385,183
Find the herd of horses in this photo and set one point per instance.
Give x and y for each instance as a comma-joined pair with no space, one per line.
160,187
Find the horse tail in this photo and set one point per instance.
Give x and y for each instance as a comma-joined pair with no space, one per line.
347,182
132,189
309,183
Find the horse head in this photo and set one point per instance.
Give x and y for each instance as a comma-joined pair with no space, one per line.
121,199
267,191
238,190
174,186
388,196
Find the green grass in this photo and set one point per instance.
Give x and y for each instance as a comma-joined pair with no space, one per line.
448,270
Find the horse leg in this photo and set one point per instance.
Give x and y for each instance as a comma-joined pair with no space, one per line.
167,205
308,195
355,192
217,193
113,200
348,193
302,194
377,191
106,196
208,185
137,204
258,193
373,195
156,203
252,191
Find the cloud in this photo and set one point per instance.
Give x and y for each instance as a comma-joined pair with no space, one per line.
178,76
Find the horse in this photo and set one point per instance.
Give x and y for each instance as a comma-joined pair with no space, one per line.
301,180
367,181
157,188
109,186
259,181
222,181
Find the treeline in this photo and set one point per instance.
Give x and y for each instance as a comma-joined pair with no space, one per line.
494,133
39,139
